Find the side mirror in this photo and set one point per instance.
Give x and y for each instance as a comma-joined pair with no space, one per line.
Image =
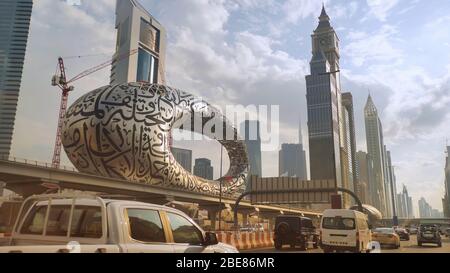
210,239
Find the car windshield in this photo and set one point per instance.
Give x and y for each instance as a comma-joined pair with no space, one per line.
384,230
338,223
428,228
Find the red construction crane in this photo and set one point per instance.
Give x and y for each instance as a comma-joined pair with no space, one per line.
62,82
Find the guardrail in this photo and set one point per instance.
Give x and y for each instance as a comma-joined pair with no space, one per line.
37,163
72,169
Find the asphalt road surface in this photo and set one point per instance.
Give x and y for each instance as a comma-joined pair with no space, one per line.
406,247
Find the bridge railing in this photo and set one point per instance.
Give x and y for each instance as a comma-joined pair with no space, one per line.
72,169
36,163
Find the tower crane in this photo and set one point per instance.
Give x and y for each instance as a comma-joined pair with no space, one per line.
64,84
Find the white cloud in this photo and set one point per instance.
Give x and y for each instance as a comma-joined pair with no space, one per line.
366,48
300,9
381,8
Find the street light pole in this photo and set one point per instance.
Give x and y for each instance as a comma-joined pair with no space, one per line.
220,187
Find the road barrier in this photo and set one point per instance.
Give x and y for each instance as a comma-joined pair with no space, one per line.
246,240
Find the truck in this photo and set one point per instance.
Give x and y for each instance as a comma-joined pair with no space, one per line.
87,223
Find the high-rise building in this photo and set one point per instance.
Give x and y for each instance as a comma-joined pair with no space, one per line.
184,157
292,159
387,184
425,210
404,204
375,147
446,200
392,183
323,94
365,176
203,168
347,103
348,146
435,213
138,30
410,208
15,19
252,138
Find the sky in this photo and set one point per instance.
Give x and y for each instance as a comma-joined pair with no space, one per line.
257,52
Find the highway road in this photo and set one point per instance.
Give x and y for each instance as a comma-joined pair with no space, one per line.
406,247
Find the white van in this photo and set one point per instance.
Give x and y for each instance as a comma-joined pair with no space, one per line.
345,230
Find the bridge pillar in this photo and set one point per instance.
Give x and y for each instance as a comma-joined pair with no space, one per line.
213,213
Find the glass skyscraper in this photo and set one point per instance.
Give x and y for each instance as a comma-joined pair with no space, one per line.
446,199
250,131
183,157
15,16
203,168
323,93
375,148
292,159
138,30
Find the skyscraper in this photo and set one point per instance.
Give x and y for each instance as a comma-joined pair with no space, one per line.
347,103
203,168
404,204
15,19
387,184
184,157
292,159
252,138
375,148
348,146
392,183
138,30
323,93
446,200
365,176
425,210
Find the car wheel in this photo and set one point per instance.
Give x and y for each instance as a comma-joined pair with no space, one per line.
303,246
278,245
419,243
315,244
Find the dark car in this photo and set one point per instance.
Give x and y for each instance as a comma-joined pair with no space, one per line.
429,234
403,234
295,231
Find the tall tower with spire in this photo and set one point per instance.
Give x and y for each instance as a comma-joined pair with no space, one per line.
323,95
375,149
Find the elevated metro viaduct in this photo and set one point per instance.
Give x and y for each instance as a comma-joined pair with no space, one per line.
26,178
417,221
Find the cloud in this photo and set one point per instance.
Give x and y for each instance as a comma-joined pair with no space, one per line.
369,48
381,8
299,9
59,29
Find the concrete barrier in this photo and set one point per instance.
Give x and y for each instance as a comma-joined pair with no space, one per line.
246,240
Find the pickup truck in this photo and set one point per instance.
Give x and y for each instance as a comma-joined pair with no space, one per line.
65,223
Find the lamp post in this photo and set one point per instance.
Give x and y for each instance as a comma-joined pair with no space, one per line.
220,188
